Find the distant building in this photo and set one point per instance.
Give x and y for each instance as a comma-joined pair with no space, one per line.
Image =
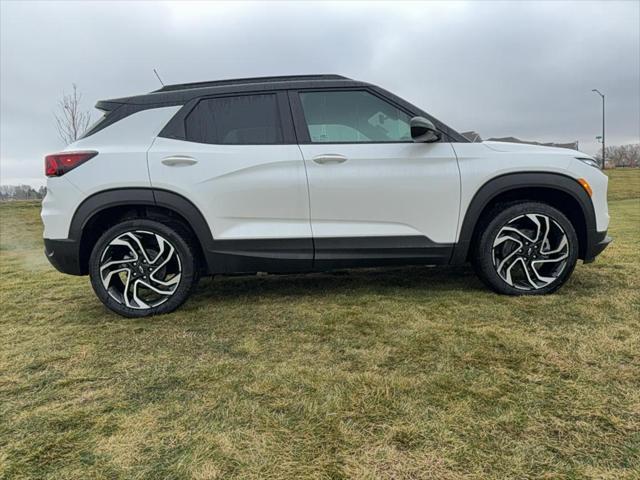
571,145
475,137
472,136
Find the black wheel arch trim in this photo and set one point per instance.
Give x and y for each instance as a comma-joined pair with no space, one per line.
515,181
135,197
104,200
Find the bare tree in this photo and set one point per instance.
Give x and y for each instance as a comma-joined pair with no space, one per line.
622,155
71,121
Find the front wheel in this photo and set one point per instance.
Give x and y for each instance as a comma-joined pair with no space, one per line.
529,248
143,267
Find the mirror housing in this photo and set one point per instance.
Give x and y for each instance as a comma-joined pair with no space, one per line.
423,131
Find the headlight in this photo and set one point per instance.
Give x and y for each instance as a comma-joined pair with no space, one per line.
589,161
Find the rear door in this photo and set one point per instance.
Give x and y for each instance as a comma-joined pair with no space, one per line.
376,196
237,160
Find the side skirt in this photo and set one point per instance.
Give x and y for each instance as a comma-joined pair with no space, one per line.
281,255
297,255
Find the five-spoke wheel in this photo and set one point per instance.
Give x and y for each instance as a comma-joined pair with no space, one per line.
527,248
143,267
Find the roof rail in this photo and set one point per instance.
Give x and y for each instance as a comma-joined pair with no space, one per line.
239,81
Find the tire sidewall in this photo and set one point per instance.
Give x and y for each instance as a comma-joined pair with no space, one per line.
185,254
484,259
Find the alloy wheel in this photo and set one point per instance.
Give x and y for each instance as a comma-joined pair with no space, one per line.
140,269
530,251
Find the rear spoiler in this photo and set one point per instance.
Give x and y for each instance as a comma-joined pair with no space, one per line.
118,108
111,115
108,105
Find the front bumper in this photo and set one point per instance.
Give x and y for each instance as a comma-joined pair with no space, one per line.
599,241
64,255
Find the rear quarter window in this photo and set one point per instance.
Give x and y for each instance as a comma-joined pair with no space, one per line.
236,120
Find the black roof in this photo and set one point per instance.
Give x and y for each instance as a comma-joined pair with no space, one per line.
242,81
183,92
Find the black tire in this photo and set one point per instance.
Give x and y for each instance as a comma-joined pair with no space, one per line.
181,262
491,254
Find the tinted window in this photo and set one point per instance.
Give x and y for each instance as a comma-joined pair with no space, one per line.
353,116
241,120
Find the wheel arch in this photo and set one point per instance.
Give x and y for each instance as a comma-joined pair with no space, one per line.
104,209
557,190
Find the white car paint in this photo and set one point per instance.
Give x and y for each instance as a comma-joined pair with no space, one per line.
599,183
58,206
384,189
243,191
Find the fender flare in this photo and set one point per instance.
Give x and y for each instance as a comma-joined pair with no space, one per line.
153,197
514,181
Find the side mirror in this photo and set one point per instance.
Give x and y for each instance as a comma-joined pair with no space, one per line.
423,131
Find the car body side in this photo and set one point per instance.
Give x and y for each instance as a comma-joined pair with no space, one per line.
250,208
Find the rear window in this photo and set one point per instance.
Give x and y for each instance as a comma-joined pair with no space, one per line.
237,120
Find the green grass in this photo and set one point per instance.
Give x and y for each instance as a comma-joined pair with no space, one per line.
403,373
623,183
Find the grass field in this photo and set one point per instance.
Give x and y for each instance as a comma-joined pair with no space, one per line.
403,373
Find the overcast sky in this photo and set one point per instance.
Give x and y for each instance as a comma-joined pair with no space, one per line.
503,69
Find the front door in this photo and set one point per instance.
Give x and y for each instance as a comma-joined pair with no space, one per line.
376,196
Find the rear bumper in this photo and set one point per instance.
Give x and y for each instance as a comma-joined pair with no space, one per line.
599,241
64,255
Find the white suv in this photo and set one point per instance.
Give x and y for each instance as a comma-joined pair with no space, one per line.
306,173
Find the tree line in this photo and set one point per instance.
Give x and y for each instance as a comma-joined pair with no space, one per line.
622,155
21,192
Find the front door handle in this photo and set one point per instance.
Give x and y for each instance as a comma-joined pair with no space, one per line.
179,161
329,158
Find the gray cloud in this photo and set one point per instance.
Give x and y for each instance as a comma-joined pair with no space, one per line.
521,69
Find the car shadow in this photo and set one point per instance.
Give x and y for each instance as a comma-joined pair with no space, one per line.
390,280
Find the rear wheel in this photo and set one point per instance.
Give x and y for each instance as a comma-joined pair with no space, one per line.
529,248
143,267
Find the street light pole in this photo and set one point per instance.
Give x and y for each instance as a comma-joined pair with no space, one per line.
603,144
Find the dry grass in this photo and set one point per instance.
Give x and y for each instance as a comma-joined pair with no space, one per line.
403,373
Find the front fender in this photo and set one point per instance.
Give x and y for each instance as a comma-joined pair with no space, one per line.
510,182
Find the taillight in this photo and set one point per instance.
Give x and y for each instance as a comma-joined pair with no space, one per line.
57,164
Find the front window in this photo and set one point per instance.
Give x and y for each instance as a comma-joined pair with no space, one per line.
353,117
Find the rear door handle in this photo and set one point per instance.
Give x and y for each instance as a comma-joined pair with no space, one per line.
329,158
179,161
